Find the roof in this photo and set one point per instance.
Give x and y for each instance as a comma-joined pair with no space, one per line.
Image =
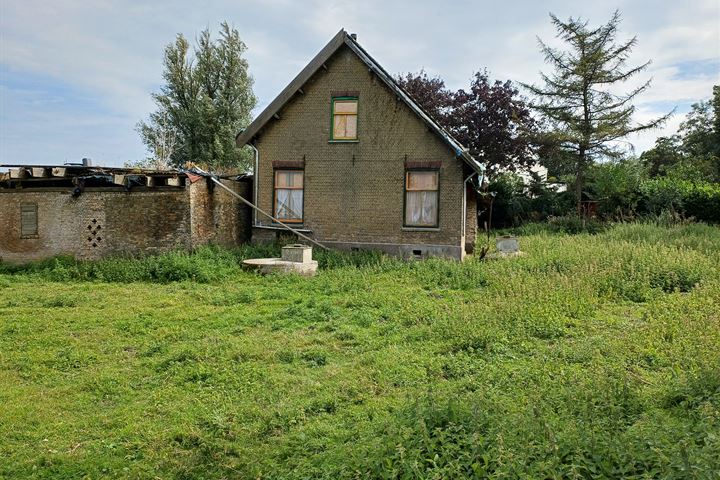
19,175
78,168
343,38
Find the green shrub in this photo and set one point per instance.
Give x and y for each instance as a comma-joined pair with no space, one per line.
616,186
569,224
573,224
465,439
691,198
336,259
514,203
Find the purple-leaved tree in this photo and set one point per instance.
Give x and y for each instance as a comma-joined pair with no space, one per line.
490,118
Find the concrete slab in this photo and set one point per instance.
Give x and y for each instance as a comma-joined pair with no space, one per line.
278,265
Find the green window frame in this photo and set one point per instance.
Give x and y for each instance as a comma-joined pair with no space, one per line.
344,119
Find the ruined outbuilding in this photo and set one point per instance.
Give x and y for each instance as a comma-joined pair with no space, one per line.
93,212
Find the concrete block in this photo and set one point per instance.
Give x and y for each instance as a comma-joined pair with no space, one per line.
18,173
297,253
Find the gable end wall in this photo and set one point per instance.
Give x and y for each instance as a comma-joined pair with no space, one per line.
354,192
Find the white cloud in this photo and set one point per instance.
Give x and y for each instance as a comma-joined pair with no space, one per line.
110,51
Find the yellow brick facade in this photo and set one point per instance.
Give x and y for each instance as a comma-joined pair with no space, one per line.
354,192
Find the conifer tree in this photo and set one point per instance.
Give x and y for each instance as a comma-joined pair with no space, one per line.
588,119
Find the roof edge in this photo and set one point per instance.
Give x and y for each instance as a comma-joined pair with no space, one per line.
244,136
343,38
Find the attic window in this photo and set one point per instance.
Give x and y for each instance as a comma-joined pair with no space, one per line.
28,220
344,118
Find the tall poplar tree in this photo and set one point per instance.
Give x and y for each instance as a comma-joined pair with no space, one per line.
588,118
206,100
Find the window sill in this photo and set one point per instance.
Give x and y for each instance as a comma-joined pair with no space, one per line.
24,237
420,229
277,226
343,141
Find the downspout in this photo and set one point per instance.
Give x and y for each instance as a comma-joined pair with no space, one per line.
464,204
255,182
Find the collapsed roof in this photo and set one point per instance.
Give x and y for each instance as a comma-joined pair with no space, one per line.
39,176
343,38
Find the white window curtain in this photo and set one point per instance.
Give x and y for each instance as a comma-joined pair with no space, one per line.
421,208
289,195
421,198
289,204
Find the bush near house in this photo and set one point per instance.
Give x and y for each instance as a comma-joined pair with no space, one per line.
591,356
515,203
700,200
622,191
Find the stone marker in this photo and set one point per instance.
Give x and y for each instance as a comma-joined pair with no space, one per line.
507,244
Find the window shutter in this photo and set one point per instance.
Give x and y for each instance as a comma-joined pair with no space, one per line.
28,220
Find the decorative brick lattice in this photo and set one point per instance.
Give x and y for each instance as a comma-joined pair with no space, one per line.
94,229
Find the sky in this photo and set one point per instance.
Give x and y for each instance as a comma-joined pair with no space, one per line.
76,76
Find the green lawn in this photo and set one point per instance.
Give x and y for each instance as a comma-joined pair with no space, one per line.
590,356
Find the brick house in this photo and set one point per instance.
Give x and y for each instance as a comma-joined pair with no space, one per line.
345,155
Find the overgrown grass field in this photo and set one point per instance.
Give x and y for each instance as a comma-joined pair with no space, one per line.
591,356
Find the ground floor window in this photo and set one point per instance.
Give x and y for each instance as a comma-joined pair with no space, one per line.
289,195
421,198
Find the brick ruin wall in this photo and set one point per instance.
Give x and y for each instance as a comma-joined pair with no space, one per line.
217,216
103,222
